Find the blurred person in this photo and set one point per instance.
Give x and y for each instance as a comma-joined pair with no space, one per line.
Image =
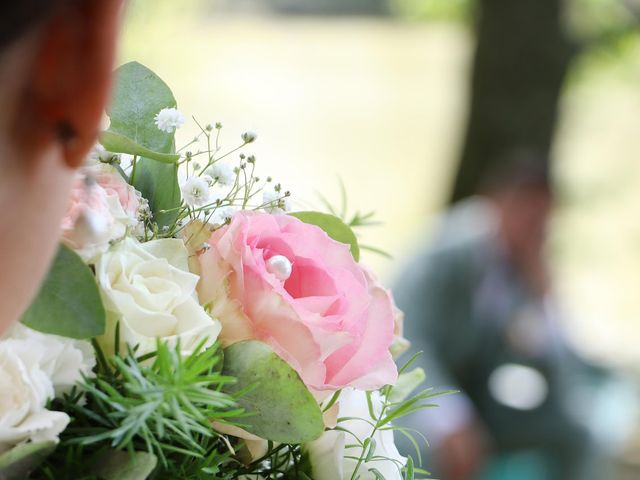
56,61
478,302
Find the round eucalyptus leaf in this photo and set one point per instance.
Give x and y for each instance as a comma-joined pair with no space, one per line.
120,465
68,303
15,464
139,95
279,405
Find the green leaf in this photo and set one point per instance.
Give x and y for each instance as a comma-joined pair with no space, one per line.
377,474
139,94
369,449
21,459
158,183
119,465
119,143
334,227
68,303
408,473
280,406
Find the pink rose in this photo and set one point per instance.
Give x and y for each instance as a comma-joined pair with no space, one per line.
114,185
101,208
312,303
79,200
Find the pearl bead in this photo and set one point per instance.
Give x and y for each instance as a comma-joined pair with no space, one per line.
90,227
280,266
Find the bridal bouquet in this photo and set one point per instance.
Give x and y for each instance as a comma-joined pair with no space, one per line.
193,326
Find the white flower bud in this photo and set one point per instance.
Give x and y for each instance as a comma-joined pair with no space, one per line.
249,136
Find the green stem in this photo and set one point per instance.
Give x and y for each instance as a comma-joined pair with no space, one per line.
134,163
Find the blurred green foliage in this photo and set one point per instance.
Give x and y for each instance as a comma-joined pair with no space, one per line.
604,31
449,10
608,22
593,19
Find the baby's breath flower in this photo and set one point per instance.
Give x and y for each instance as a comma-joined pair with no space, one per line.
222,173
222,214
169,119
275,202
270,196
195,192
208,179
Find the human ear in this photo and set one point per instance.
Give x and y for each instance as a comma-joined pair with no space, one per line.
70,78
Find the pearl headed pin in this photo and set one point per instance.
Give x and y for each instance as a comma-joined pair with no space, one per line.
280,266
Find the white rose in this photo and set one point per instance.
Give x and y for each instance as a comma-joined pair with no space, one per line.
35,368
148,288
63,360
25,388
329,455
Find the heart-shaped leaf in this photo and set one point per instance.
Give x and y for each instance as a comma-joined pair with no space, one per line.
68,303
280,406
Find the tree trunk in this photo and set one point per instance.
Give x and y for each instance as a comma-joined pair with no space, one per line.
521,59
